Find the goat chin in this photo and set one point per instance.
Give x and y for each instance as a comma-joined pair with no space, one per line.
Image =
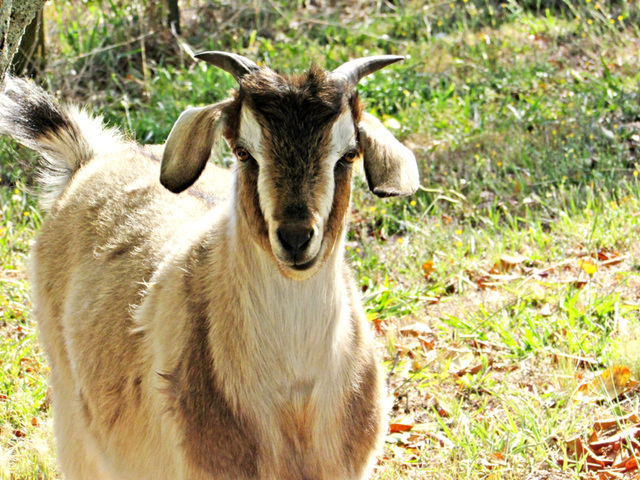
180,347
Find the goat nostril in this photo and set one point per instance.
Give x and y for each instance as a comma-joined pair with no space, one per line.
294,239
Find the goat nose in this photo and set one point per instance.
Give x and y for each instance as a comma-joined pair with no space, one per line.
294,238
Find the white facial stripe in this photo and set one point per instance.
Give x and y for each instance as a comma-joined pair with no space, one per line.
343,136
251,133
343,139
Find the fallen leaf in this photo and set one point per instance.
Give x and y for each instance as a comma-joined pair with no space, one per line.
606,423
461,362
609,385
444,441
416,329
428,268
609,258
545,310
632,464
508,262
402,424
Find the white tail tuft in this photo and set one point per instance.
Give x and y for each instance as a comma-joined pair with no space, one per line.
65,136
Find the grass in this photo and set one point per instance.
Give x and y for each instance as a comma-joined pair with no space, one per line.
517,260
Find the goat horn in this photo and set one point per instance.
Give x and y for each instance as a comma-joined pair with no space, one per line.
235,64
354,70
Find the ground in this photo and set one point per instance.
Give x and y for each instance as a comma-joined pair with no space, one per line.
504,294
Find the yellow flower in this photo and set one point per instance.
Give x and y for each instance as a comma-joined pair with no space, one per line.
413,202
414,104
383,211
358,250
406,92
590,137
499,164
439,23
458,232
589,267
26,214
400,240
620,18
635,173
553,132
16,192
589,21
458,244
612,21
372,209
564,178
588,1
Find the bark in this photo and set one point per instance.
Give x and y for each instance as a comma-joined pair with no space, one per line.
174,16
15,15
31,56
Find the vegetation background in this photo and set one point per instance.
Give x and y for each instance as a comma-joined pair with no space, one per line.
504,294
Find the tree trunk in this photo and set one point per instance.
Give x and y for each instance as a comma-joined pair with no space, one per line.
30,57
15,15
174,16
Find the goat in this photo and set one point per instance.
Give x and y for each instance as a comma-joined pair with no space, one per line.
216,333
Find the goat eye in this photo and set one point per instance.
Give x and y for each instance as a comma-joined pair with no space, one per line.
242,154
351,155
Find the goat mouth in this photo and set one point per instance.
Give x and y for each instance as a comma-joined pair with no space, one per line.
304,266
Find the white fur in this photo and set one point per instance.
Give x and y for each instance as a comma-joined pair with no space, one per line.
250,136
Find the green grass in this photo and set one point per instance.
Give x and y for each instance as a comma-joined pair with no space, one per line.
525,118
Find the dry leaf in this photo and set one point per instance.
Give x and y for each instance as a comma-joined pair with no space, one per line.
609,385
507,262
416,329
444,441
461,362
428,268
609,258
606,423
545,310
402,424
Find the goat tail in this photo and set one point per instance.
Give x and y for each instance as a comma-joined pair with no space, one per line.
65,136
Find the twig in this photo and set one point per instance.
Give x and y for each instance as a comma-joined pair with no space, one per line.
104,49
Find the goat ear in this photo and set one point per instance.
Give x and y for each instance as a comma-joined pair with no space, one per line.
390,167
189,145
